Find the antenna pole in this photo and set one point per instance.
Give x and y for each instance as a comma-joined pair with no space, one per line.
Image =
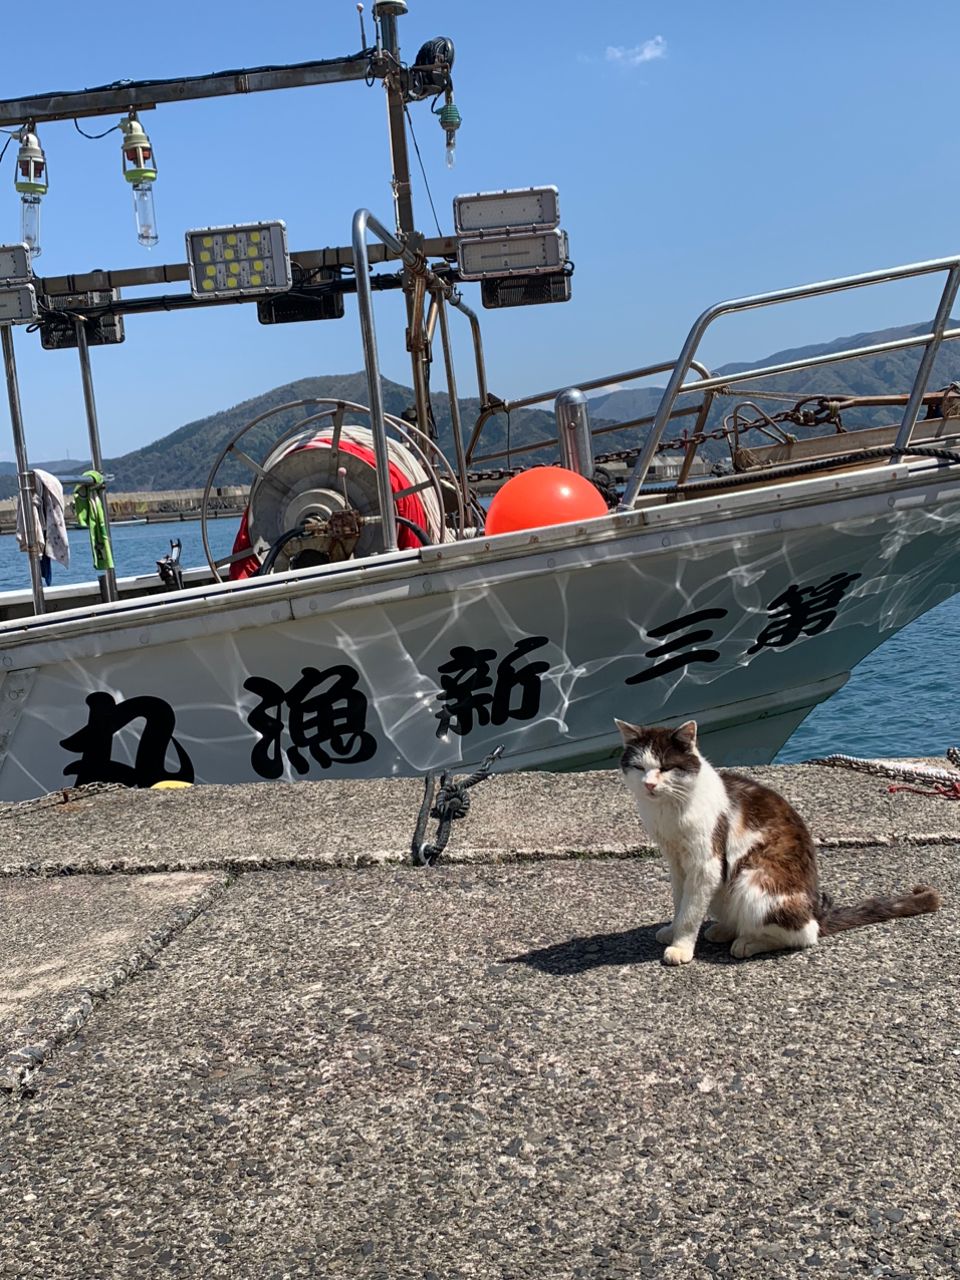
417,344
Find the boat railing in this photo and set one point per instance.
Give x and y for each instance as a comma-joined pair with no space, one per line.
490,407
686,362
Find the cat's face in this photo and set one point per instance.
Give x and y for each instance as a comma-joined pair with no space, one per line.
659,764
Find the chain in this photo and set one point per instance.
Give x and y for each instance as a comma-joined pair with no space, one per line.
66,795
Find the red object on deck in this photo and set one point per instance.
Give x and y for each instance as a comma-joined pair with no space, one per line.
541,497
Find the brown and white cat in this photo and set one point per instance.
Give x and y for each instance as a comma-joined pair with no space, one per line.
737,850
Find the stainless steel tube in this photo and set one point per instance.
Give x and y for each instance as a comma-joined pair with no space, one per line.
363,219
573,431
452,395
703,322
25,475
947,299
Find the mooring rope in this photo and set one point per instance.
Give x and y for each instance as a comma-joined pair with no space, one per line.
452,802
944,782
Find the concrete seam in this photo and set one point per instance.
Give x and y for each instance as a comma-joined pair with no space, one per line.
18,1066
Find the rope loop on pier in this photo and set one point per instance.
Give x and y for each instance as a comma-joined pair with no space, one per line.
447,805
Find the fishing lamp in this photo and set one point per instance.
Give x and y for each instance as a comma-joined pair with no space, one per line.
237,262
450,121
140,170
30,179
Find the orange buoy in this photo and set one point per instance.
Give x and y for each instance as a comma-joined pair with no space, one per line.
543,496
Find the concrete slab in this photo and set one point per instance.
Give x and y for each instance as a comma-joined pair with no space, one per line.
65,943
315,824
485,1073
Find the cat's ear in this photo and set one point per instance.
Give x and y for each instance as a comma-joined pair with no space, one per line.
687,733
630,733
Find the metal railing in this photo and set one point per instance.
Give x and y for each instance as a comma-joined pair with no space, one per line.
930,341
488,410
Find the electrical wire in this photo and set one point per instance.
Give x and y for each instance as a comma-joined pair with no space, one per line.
6,144
406,112
94,136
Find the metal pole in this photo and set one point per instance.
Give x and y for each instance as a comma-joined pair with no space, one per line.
573,431
452,394
947,299
361,219
25,475
108,580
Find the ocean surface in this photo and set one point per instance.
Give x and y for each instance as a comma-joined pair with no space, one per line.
901,700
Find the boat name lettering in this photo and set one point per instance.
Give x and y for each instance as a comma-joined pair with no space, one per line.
466,680
106,718
323,709
672,660
802,611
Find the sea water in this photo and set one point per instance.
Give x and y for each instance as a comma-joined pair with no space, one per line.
900,701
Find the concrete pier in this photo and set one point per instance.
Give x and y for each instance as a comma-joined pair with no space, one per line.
241,1036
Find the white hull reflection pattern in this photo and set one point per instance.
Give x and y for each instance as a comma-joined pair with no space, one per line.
743,618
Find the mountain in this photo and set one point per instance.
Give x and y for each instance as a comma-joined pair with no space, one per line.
182,459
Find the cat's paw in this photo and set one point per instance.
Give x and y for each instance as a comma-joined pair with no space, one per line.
680,954
744,947
718,932
665,934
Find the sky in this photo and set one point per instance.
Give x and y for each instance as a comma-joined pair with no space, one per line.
702,152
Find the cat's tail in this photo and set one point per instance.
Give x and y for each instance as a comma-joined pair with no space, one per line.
917,902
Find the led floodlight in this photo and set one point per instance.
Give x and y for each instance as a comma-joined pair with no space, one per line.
501,210
15,262
18,304
236,262
525,253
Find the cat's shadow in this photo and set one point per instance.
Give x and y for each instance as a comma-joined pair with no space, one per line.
632,946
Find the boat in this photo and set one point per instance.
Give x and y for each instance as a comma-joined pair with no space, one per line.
376,618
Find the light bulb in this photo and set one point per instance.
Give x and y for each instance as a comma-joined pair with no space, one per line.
451,154
30,223
146,216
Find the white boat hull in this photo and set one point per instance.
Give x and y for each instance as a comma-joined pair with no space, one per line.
742,610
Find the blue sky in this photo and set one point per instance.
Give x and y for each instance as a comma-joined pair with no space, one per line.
702,151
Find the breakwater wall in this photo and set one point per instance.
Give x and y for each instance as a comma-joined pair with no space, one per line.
148,507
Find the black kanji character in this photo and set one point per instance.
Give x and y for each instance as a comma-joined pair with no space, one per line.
95,743
678,660
802,611
465,682
335,715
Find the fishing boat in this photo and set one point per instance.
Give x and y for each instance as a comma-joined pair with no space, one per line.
376,618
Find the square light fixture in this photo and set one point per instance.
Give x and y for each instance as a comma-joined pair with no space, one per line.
18,304
524,253
14,262
501,210
235,262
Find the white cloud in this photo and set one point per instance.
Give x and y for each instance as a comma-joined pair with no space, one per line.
639,54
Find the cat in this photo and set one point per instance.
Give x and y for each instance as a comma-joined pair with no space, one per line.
737,849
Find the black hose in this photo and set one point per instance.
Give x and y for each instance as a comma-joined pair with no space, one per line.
415,529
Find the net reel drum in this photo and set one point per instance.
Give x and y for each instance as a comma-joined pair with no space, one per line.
314,497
